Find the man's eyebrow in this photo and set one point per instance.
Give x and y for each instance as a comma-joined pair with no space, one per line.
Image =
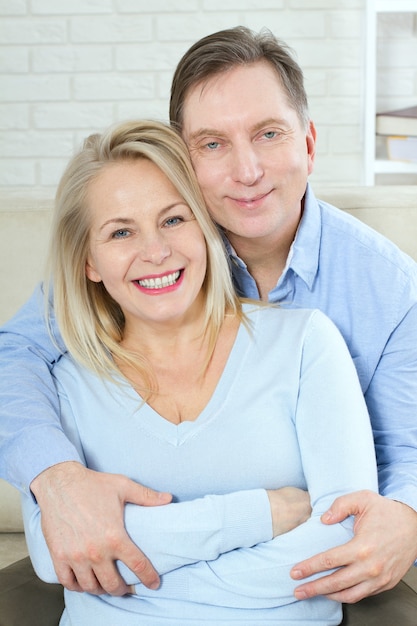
270,121
205,132
213,132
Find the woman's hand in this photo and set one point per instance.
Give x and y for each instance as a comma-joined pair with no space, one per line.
290,507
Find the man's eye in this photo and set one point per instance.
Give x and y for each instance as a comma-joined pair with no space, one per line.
212,145
270,134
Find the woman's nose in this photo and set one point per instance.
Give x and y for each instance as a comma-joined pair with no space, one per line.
154,249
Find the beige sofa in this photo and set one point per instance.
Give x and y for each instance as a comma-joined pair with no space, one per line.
24,223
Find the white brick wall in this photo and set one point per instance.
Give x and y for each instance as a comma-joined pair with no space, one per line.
71,67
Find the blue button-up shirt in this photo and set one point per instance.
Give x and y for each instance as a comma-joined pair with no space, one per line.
368,287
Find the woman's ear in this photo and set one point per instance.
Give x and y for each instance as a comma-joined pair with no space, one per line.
91,272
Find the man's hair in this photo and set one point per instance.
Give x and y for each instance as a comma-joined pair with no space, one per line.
226,49
90,321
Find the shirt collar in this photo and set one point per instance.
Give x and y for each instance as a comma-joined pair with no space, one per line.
305,250
303,257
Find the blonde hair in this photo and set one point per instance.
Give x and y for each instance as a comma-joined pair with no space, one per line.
90,321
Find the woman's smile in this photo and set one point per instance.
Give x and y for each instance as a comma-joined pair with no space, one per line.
161,283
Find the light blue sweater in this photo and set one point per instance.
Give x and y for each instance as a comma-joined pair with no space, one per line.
288,411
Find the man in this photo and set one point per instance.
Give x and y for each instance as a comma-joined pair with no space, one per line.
239,102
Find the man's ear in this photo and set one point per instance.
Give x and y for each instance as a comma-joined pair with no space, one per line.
311,137
91,272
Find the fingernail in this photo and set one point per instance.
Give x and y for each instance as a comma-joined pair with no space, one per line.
296,573
300,594
154,586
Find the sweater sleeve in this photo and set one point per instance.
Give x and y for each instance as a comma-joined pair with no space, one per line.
337,452
174,535
31,436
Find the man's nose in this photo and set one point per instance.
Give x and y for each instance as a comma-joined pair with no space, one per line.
246,165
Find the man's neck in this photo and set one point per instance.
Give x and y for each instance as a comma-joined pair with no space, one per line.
265,262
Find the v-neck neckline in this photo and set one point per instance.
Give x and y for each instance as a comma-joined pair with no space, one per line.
153,422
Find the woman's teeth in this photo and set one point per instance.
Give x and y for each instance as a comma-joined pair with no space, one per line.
160,282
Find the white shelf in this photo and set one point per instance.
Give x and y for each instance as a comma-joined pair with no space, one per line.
372,165
385,166
389,6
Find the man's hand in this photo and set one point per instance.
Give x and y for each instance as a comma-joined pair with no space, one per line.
290,507
83,524
382,550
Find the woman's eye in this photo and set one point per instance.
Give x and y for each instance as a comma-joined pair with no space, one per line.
120,234
173,221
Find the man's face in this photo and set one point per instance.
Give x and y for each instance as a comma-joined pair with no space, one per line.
251,153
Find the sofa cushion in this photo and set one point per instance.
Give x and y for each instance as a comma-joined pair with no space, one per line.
25,600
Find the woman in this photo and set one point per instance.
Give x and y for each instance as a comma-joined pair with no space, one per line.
175,382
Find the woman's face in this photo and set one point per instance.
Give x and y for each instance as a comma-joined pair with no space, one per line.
145,244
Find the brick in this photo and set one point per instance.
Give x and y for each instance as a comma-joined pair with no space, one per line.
330,168
315,82
146,109
345,140
158,6
332,111
243,5
70,7
17,7
14,116
18,62
17,172
72,115
147,56
326,4
114,87
345,82
289,24
339,54
189,28
35,143
113,29
72,58
33,88
32,31
346,24
50,171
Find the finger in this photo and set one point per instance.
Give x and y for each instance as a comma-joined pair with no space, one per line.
352,595
140,565
323,562
67,578
341,580
109,580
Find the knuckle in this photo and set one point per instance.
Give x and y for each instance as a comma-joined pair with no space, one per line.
113,586
328,562
377,571
140,566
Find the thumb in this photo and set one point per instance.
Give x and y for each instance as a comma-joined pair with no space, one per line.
342,508
144,496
